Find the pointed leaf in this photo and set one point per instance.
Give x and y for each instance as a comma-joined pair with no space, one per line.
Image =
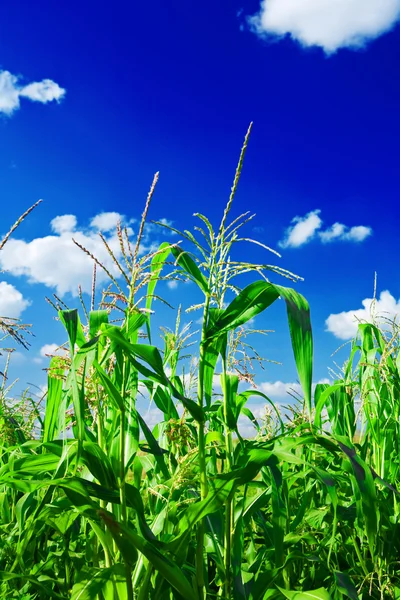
187,264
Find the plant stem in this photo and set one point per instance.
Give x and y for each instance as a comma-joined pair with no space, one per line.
229,503
202,457
122,496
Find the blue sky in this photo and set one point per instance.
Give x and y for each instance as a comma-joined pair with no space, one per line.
94,99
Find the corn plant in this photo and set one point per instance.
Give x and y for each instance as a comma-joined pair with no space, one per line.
95,504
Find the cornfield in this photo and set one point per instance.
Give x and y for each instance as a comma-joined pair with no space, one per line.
94,504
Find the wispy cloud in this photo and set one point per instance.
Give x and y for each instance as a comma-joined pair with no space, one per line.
55,261
11,91
326,23
344,325
304,229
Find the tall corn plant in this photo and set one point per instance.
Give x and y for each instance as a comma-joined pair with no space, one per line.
210,267
15,417
107,510
101,506
363,412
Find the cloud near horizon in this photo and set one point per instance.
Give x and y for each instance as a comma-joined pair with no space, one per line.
55,261
324,23
305,229
344,325
11,91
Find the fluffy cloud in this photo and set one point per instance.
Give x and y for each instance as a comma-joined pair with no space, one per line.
279,389
48,350
344,325
39,91
105,221
12,302
64,224
52,349
304,229
55,261
338,231
329,24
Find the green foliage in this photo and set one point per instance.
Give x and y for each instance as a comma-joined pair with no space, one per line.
95,504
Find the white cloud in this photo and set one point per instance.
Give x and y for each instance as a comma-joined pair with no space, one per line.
332,233
172,284
52,349
48,350
55,261
344,325
12,302
105,221
152,417
279,389
329,24
43,91
39,91
304,229
358,233
63,224
339,232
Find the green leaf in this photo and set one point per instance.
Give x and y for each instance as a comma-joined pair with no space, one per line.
255,298
248,393
369,501
23,507
91,581
32,464
46,591
73,325
319,594
210,353
164,565
278,514
298,312
96,319
54,400
194,409
150,354
154,447
187,264
109,387
230,384
345,585
163,401
156,266
252,300
215,499
98,464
